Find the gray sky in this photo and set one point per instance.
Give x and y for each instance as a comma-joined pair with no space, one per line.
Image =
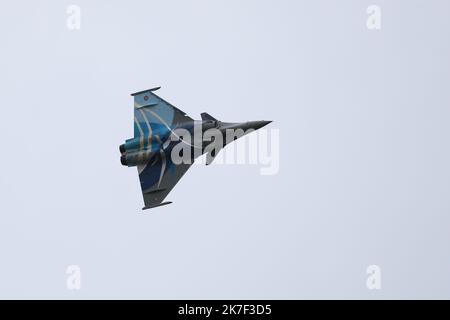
364,160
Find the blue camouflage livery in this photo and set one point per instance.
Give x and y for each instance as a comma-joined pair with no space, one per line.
155,121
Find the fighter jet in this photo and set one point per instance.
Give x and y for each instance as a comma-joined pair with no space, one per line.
163,149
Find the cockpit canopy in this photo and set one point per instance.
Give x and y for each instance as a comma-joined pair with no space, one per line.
209,124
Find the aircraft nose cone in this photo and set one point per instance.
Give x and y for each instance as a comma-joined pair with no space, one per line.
260,124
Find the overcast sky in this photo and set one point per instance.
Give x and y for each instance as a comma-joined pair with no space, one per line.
363,118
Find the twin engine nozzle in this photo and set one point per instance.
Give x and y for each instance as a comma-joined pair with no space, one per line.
134,158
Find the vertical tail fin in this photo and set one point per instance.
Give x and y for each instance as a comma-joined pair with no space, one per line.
206,116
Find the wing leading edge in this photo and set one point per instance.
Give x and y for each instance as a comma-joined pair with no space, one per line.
158,177
152,112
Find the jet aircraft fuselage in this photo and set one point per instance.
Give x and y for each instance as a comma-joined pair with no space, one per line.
163,134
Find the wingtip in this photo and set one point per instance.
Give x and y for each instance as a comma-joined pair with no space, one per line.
148,90
157,205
